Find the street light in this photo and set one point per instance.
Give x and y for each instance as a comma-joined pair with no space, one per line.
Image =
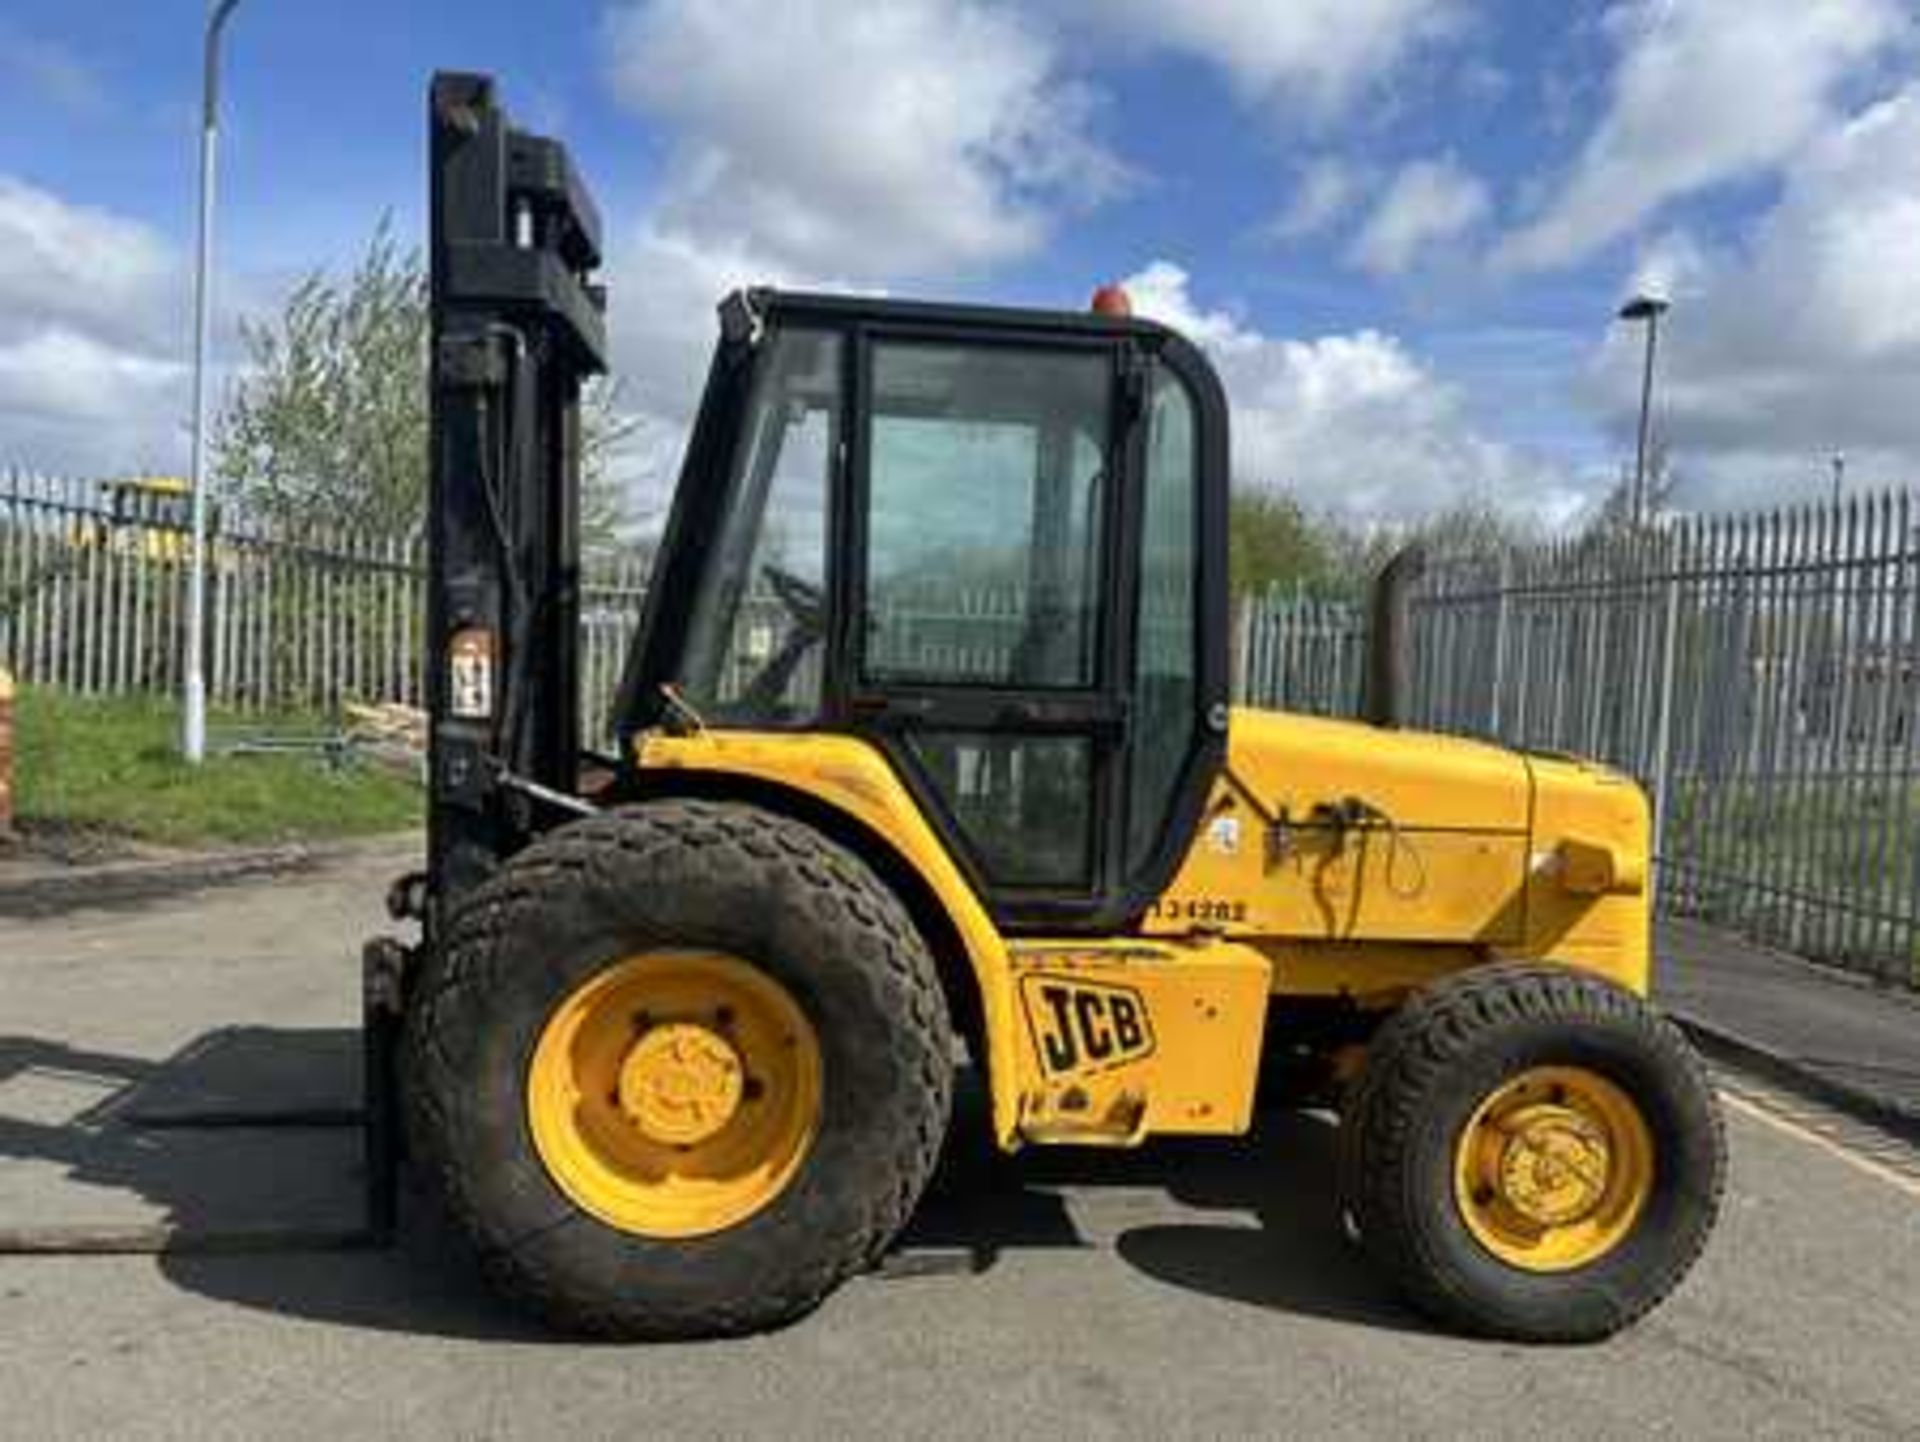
193,731
1648,308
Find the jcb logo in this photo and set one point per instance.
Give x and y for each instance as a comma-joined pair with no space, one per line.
1080,1025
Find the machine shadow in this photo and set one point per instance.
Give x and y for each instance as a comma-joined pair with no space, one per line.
1277,1244
106,1139
96,1145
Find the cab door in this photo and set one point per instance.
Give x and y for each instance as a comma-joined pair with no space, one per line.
1043,706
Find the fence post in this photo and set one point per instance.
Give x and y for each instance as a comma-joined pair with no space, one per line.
1503,586
1663,726
1240,681
6,756
1389,655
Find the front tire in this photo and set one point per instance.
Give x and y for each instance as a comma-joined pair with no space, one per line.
1532,1153
679,1070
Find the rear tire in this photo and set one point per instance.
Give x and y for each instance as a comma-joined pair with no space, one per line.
1435,1216
680,878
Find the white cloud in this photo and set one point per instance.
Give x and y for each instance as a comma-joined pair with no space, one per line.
1428,201
824,143
89,380
1706,91
74,405
664,287
1669,265
1353,424
1803,340
1318,53
898,136
866,141
56,372
1327,190
78,265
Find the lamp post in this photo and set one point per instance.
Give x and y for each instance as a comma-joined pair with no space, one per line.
193,730
1648,308
1839,476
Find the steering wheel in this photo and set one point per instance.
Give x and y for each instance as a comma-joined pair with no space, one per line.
805,601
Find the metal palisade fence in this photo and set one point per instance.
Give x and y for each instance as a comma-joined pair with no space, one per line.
93,600
1299,652
1760,674
93,583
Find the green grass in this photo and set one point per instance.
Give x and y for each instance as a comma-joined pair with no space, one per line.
110,767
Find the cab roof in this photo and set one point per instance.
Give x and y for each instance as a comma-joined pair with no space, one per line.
827,306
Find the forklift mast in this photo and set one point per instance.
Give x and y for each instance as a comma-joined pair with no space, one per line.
517,327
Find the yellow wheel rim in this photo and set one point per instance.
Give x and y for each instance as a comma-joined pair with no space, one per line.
675,1093
1553,1169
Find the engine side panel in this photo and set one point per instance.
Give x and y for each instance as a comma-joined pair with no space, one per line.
1362,860
1338,832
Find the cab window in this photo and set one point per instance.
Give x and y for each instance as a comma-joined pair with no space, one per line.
984,511
754,640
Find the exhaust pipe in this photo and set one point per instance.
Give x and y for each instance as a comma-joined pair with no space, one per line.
1384,698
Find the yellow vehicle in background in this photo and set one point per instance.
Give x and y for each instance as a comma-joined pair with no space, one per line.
148,517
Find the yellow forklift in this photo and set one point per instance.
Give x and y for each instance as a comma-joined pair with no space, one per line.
925,746
145,518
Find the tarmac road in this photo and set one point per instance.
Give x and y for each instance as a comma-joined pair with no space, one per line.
1182,1291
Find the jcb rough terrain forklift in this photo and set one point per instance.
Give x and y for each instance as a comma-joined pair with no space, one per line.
680,1041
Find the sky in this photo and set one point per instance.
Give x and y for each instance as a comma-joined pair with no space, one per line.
1401,228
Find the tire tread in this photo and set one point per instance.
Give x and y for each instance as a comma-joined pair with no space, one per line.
1407,1064
598,855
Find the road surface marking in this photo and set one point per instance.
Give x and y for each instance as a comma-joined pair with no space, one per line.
1854,1159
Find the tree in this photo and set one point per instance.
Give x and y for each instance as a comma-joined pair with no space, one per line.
1614,518
605,430
327,424
1272,542
1470,529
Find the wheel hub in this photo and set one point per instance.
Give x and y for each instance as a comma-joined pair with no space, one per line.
675,1093
1554,1167
681,1083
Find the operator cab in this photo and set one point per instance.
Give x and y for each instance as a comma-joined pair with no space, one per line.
990,541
